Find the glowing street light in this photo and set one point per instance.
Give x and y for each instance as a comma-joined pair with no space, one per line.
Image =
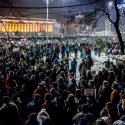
110,4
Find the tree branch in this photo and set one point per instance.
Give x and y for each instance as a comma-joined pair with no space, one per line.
107,14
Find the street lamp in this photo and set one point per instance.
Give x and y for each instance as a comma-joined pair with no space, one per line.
110,4
47,17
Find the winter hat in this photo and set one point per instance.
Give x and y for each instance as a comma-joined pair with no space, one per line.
119,122
7,69
47,121
85,108
122,118
32,117
115,86
42,82
42,115
106,119
89,116
101,122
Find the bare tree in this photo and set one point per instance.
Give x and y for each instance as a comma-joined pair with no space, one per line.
109,9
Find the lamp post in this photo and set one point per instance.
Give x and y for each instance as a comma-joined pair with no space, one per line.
47,17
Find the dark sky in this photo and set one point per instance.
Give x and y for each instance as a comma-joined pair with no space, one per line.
59,14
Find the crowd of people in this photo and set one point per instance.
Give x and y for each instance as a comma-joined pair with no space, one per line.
39,86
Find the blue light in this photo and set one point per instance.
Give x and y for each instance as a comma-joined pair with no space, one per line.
121,4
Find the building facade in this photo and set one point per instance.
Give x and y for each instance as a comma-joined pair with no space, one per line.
26,25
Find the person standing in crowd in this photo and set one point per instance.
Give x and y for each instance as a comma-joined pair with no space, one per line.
47,52
67,50
89,62
74,66
9,113
43,90
107,64
121,106
82,67
32,120
99,51
76,51
63,51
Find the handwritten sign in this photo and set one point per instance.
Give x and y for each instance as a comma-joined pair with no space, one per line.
7,45
16,49
89,92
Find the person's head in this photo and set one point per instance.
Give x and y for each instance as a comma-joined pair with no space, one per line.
85,108
47,80
90,99
106,119
100,122
108,106
41,75
100,73
118,79
32,77
105,72
112,75
40,86
73,81
119,122
115,87
6,99
105,83
55,54
61,80
52,90
62,73
16,99
71,98
42,115
91,83
89,117
88,57
37,98
47,97
122,118
55,85
47,121
78,93
83,61
32,117
11,73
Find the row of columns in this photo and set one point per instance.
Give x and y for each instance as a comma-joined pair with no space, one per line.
25,27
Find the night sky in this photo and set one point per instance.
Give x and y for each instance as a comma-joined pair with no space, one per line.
121,1
58,14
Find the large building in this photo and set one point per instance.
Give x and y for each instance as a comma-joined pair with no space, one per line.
26,25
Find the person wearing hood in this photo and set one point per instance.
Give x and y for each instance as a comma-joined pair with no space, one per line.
32,120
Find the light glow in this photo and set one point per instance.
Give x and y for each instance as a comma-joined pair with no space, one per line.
110,4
